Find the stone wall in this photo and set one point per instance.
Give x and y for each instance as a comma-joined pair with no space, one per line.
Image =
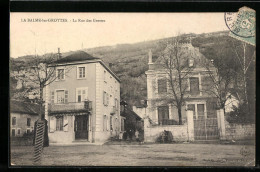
239,131
179,132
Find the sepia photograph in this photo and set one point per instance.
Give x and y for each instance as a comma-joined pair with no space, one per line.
132,89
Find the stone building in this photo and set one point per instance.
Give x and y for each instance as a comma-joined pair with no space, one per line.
22,117
161,111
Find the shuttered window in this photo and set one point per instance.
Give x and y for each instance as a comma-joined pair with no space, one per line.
62,96
82,94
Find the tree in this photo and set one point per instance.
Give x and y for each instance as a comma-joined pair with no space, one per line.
221,76
41,74
245,55
174,62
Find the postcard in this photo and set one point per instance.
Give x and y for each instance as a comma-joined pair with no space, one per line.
132,89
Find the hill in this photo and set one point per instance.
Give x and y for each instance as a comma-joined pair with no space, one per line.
130,61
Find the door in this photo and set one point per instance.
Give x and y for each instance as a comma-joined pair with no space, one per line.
81,127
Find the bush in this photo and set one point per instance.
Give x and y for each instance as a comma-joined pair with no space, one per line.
165,137
241,115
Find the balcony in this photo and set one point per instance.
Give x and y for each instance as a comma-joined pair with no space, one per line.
72,106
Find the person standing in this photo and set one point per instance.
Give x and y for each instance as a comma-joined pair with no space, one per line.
137,135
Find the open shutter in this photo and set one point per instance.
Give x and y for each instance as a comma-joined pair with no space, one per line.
86,93
52,97
66,96
66,124
52,124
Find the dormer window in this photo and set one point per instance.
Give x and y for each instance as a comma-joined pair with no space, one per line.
191,62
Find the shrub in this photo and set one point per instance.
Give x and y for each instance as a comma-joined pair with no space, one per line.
240,115
165,137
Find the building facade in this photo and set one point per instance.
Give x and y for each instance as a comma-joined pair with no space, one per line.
161,110
22,117
83,102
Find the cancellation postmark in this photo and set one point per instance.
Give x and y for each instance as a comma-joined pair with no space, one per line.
242,24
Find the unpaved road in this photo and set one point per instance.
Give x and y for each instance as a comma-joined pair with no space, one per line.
139,155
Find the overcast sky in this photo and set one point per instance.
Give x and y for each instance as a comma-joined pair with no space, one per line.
45,37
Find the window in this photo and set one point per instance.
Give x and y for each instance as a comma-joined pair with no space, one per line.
105,98
81,72
28,122
116,103
19,131
81,94
60,74
194,85
198,110
62,96
28,131
105,76
111,123
163,114
59,123
13,120
13,132
162,85
105,123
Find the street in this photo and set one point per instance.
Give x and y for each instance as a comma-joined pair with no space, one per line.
185,154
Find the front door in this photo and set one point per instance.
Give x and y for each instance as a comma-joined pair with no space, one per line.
81,127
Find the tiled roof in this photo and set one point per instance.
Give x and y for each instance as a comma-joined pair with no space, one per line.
77,56
23,107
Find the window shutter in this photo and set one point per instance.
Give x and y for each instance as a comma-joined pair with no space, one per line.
52,97
107,99
65,123
66,96
104,97
52,124
85,94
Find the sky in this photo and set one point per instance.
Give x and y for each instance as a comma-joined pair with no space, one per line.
28,38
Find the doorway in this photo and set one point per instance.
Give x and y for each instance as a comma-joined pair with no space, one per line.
81,127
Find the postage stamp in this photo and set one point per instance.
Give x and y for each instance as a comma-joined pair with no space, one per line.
242,24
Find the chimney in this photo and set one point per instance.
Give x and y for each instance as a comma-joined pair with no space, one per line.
59,54
150,57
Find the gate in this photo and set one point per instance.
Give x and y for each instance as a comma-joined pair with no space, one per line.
206,126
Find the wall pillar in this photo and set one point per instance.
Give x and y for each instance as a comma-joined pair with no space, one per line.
147,125
190,125
221,124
